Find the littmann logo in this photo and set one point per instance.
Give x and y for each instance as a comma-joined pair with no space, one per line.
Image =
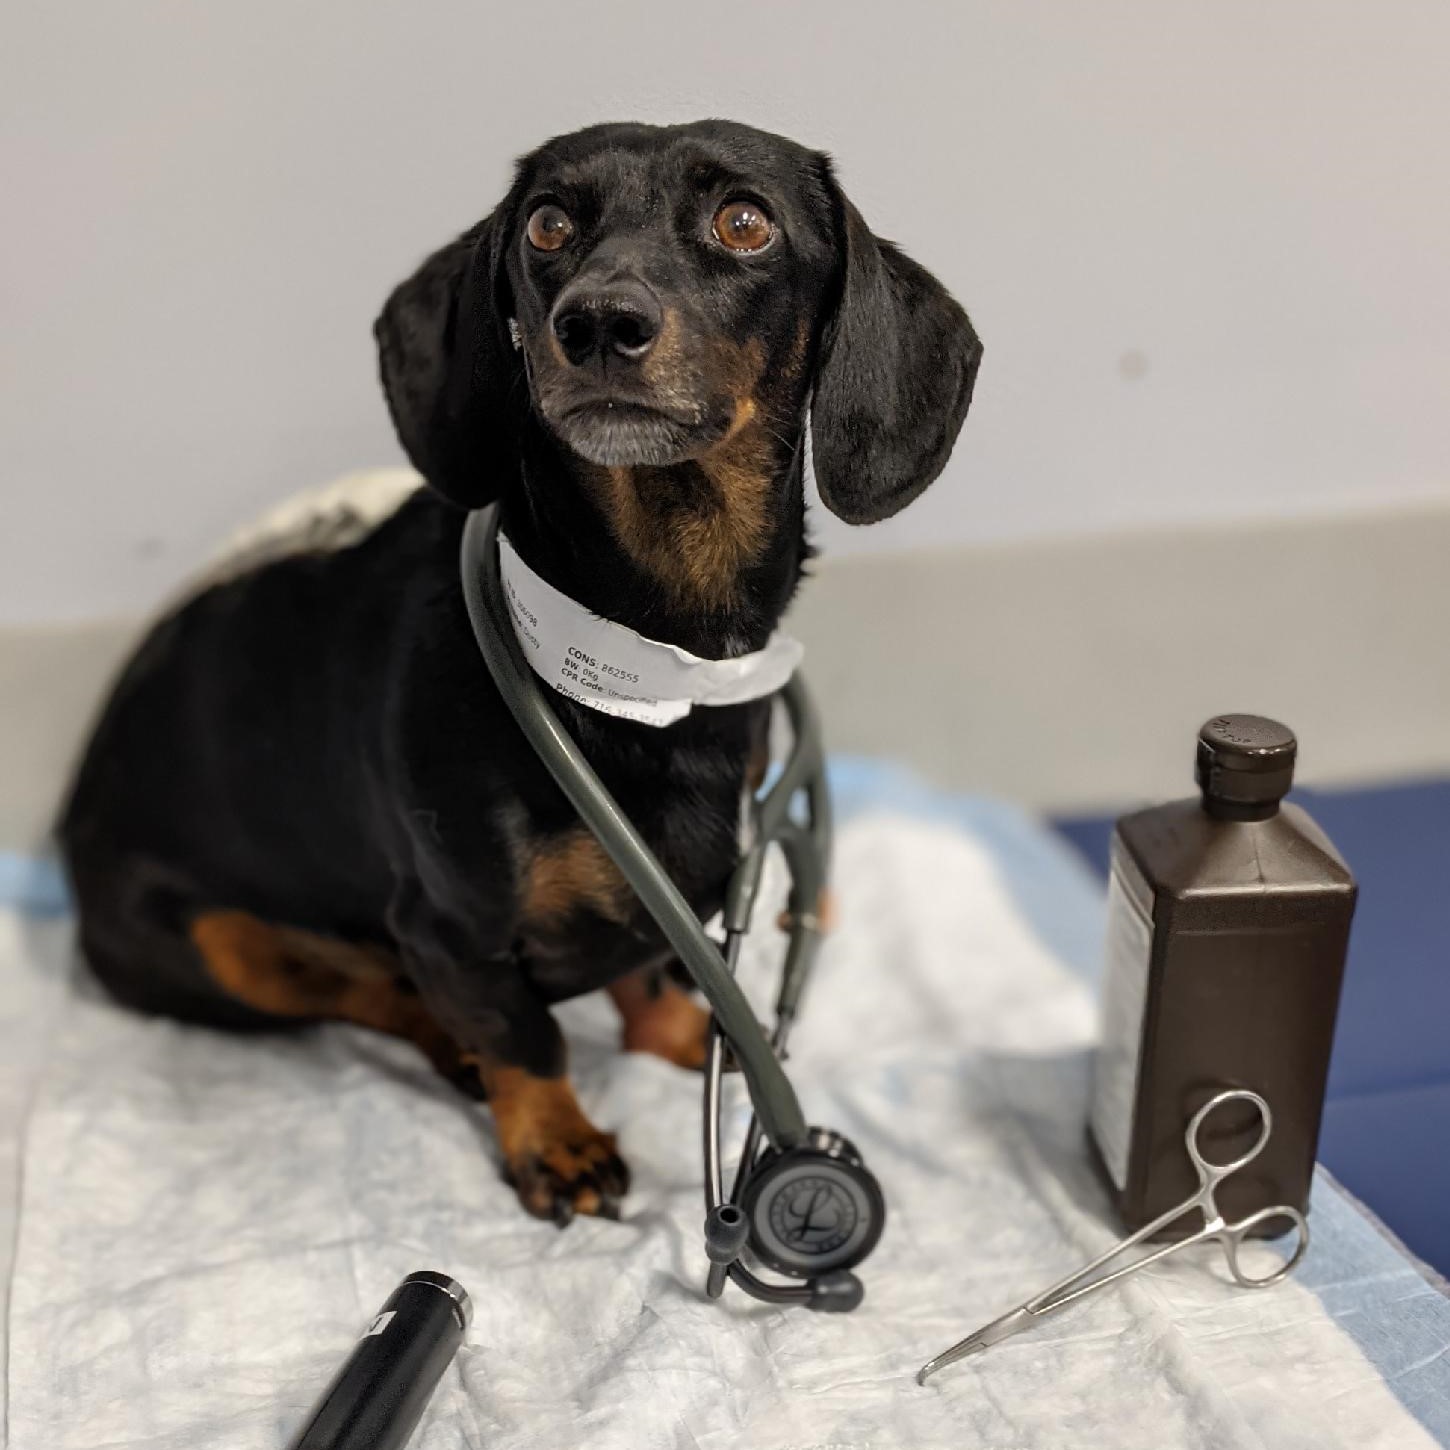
813,1216
380,1323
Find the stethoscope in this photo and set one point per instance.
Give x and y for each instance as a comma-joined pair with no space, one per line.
802,1203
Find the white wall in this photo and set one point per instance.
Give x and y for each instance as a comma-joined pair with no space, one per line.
1208,245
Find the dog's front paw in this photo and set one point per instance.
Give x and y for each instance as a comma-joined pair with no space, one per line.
556,1160
574,1173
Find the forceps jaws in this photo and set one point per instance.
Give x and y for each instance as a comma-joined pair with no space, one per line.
999,1329
1075,1286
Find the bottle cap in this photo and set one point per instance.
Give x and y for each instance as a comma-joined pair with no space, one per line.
1245,764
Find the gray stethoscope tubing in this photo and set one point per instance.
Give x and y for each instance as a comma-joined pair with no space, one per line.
806,1204
770,1091
807,850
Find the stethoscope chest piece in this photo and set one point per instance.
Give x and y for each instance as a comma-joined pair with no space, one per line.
813,1209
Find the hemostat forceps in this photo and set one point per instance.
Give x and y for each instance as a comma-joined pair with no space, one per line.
1231,1235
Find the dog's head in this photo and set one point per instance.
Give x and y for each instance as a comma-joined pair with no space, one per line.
649,292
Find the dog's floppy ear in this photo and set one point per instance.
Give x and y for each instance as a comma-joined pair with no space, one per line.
452,377
897,362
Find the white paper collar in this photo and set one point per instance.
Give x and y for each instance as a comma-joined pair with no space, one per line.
611,668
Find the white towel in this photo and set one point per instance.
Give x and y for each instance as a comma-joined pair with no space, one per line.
207,1222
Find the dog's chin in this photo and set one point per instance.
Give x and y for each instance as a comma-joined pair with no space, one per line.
627,436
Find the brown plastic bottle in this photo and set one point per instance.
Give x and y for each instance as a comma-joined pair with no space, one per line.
1228,923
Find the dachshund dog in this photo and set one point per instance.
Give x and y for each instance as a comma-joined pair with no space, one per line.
305,799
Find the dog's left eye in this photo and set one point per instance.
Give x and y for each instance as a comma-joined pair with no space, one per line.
743,226
549,228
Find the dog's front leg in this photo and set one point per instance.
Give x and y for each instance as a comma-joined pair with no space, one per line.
555,1159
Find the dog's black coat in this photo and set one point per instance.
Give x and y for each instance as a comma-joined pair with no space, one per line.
318,742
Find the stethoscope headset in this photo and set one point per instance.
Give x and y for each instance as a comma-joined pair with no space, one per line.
802,1202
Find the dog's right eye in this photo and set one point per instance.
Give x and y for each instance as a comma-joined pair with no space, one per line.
549,228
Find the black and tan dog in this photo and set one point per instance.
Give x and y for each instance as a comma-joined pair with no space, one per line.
305,799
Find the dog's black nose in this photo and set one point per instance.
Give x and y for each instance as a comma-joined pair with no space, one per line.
622,320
